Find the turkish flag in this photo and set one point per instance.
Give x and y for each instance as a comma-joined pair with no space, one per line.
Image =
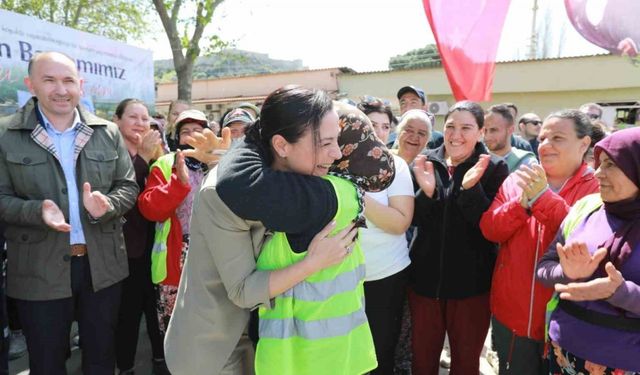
467,34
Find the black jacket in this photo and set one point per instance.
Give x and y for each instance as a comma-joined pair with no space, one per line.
449,257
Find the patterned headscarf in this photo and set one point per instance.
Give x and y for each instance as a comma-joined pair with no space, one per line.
365,161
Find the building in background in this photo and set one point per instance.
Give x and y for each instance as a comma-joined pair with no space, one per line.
215,96
540,86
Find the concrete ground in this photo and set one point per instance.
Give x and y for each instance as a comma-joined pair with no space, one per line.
143,360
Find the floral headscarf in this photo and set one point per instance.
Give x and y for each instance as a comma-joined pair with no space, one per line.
365,161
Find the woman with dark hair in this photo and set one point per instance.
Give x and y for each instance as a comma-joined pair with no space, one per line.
524,218
273,180
451,267
598,132
389,213
594,265
138,295
331,333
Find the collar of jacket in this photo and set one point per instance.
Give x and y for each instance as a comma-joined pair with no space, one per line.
27,118
584,173
438,155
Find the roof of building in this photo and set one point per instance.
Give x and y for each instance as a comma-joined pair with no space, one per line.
434,65
340,69
221,100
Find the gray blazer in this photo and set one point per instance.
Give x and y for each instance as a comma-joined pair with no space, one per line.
219,285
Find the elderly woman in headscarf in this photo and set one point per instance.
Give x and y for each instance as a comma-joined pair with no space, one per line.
594,263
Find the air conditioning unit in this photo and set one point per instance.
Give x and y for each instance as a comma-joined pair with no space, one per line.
438,108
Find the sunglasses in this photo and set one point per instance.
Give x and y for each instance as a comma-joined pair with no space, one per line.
534,122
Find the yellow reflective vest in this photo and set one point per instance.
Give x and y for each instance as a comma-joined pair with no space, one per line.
319,326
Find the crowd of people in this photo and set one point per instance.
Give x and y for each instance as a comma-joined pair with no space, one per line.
311,236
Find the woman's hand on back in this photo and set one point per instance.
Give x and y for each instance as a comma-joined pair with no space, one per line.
325,251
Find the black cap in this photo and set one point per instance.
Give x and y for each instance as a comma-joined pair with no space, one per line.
418,91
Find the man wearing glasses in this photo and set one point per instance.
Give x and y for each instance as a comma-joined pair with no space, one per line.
593,110
529,127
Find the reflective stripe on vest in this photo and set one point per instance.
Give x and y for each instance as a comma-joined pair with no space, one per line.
159,249
319,326
323,290
311,330
580,210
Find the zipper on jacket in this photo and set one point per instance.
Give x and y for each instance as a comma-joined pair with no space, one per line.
512,344
533,280
444,221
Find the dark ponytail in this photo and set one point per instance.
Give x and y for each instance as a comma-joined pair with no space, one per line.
289,112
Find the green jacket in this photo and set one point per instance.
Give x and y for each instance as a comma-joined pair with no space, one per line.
39,264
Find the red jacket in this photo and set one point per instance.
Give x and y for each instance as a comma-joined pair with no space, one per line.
517,300
159,202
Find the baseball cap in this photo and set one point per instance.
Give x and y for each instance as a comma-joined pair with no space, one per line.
238,115
413,89
193,115
246,105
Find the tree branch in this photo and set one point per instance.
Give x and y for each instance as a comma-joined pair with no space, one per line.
52,9
201,22
66,12
169,24
78,12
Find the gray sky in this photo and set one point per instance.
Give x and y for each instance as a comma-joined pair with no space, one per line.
364,34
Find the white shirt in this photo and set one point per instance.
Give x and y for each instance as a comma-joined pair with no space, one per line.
387,254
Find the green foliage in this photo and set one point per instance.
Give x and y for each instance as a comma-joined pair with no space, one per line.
227,63
115,19
426,57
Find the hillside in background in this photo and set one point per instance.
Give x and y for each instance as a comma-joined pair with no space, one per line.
228,63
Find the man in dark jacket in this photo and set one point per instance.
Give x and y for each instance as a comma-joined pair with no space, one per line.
65,182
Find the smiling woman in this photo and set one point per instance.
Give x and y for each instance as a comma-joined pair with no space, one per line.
594,263
524,218
414,131
305,283
451,267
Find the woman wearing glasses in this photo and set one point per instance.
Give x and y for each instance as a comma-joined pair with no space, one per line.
389,213
524,218
414,131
